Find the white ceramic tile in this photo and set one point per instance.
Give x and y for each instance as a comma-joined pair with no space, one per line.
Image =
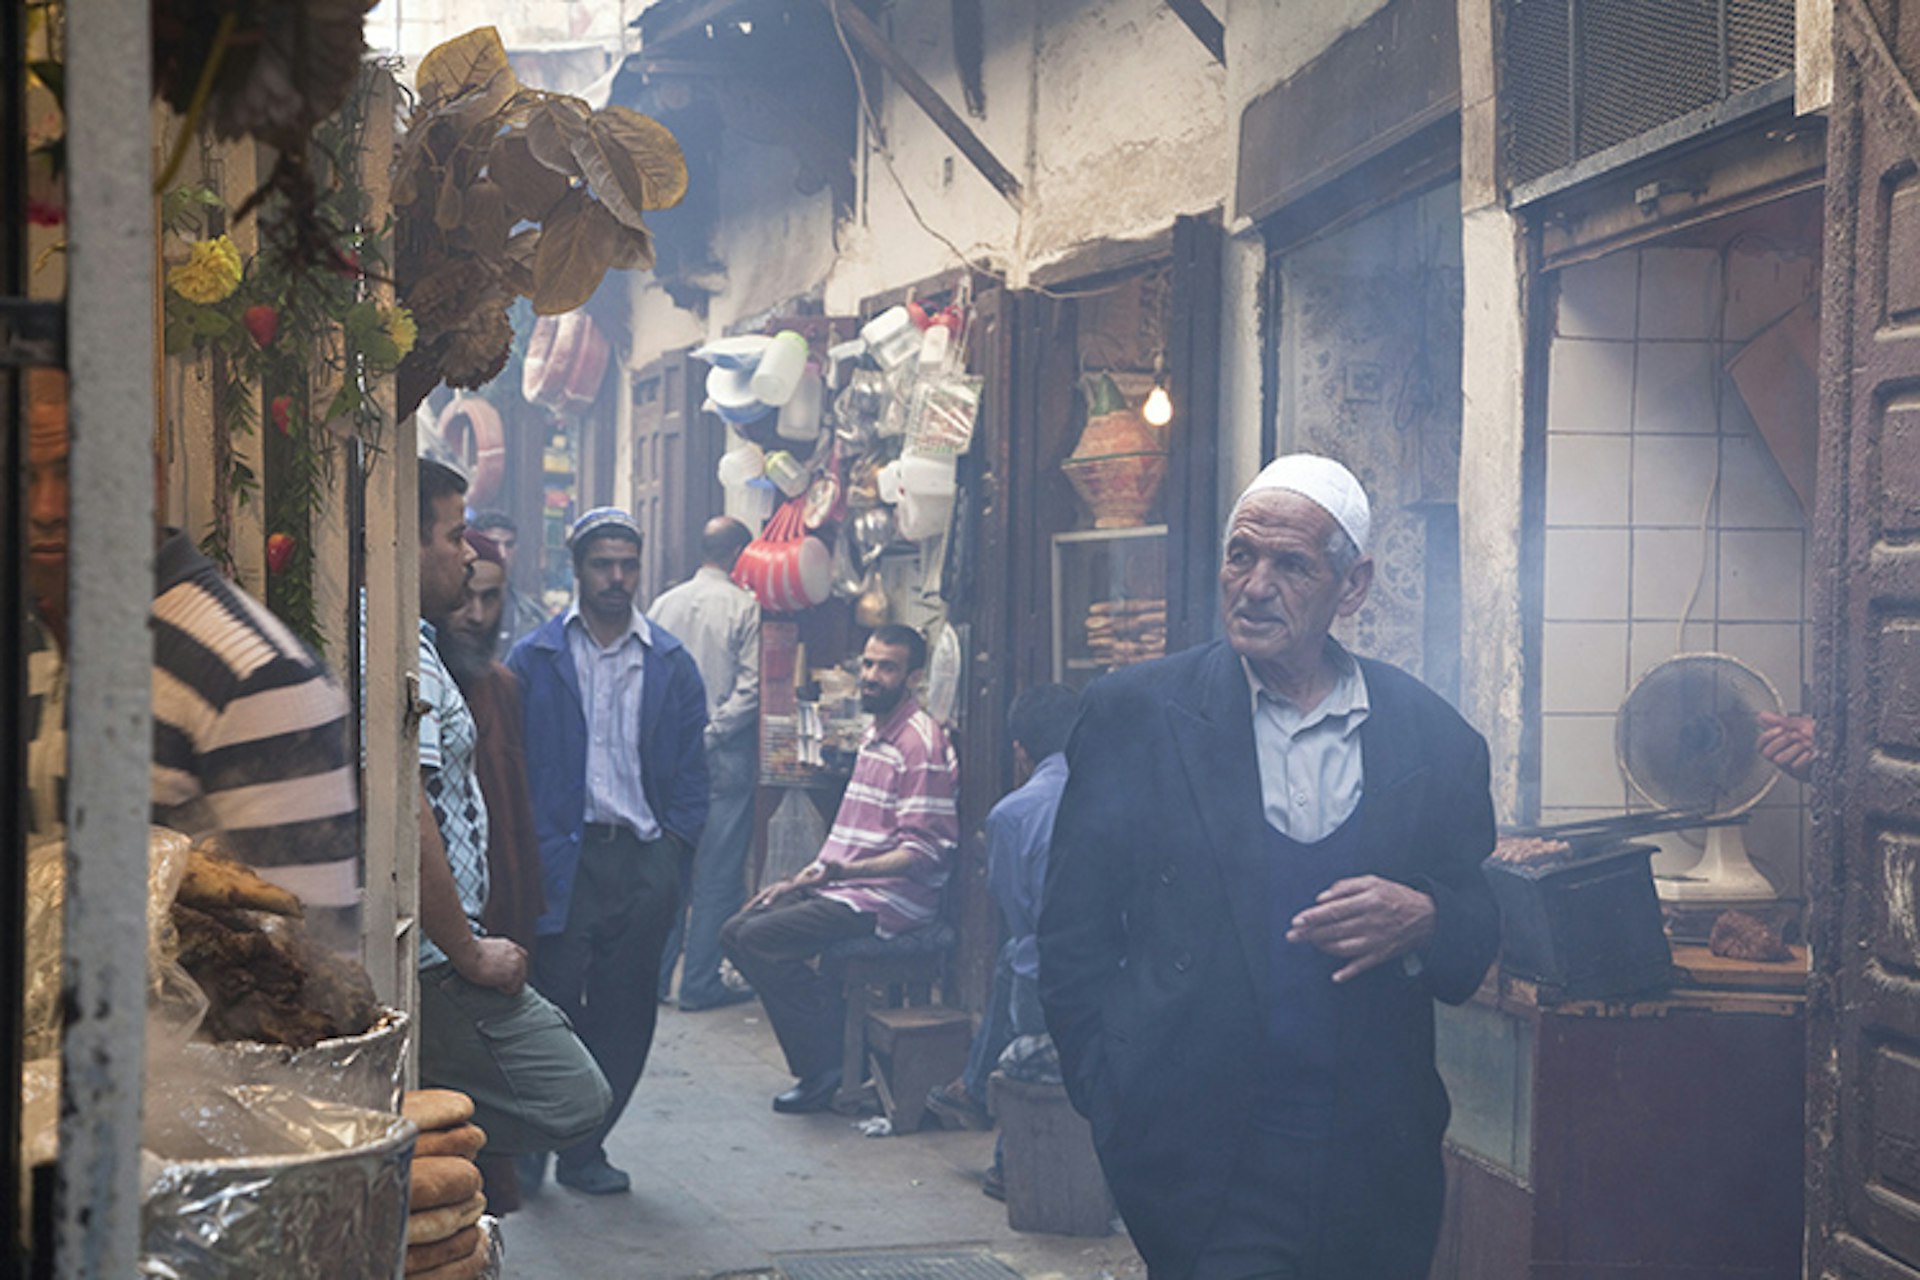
1597,299
1673,387
1760,577
1587,480
1583,666
1590,386
1762,286
1577,765
1772,649
1679,293
1672,479
1651,643
1754,493
1586,575
1672,567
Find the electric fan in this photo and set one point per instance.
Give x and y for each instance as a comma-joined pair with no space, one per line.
1687,739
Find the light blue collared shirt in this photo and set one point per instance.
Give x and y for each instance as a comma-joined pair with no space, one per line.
611,682
1310,767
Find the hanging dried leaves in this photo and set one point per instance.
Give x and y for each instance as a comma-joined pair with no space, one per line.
501,191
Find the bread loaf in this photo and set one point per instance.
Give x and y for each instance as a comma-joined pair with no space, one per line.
441,1180
465,1141
435,1109
455,1248
431,1225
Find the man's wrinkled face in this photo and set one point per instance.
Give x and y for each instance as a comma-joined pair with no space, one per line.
609,575
445,558
47,495
883,676
1279,592
486,597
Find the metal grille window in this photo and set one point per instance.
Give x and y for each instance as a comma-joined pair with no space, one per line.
1582,76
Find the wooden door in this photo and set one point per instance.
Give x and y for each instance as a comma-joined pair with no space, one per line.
1863,1144
675,488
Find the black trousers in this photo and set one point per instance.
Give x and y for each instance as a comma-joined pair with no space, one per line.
772,948
603,969
1271,1223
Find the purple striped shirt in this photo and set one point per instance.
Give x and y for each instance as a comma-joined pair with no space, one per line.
901,796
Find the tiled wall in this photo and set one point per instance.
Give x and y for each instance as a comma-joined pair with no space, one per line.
1639,415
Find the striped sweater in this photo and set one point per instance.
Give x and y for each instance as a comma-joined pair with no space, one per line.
901,796
250,733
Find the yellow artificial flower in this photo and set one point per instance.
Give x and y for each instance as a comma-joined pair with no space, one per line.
210,274
401,329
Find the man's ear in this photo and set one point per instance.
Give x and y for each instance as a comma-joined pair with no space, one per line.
1353,593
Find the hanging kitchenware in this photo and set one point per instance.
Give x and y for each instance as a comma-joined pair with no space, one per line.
846,574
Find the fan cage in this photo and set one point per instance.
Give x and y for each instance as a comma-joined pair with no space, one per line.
1580,76
1655,700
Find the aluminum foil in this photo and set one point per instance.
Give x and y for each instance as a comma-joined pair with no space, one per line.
335,1211
367,1070
495,1246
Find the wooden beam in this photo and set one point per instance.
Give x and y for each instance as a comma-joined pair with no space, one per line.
1205,27
693,19
859,28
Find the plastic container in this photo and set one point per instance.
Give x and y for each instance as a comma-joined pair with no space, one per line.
788,473
891,338
739,465
778,374
800,415
926,477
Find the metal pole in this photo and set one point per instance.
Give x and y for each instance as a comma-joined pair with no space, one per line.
110,356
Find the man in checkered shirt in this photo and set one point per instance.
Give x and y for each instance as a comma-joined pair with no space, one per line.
483,1030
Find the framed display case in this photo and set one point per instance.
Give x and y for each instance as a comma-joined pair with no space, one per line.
1109,595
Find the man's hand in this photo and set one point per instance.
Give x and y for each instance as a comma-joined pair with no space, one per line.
1365,921
500,963
1787,744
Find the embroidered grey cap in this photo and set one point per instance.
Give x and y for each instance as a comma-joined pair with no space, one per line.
603,520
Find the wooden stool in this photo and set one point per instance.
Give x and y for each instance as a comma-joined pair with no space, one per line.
1053,1177
914,1050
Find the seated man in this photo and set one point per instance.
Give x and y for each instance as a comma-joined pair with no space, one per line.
1018,831
880,872
483,1030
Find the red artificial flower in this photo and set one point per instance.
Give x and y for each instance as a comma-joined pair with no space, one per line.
263,322
279,552
45,213
282,409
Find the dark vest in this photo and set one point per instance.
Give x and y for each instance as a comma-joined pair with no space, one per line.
1302,1022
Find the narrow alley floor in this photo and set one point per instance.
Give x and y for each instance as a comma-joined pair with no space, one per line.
723,1186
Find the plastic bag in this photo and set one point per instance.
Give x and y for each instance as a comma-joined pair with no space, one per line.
175,1003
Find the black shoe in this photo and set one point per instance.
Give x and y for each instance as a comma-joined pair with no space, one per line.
532,1169
595,1178
727,996
811,1093
955,1108
993,1184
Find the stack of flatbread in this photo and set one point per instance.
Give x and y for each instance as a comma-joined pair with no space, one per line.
445,1200
1121,632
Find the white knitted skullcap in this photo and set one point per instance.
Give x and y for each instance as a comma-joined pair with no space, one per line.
1326,483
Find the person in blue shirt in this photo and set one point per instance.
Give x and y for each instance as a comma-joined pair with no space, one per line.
1018,831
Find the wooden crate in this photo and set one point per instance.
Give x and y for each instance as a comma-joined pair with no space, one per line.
1053,1178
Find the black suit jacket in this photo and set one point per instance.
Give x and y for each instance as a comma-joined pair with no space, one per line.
1154,954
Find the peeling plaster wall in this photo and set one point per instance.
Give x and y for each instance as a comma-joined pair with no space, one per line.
1109,112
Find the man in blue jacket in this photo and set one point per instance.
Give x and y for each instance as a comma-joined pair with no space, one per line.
615,717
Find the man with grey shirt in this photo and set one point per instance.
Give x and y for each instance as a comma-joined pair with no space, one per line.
719,623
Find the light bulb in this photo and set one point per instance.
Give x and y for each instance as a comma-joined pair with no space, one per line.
1158,410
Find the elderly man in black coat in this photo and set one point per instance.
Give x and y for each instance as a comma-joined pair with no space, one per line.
1266,868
